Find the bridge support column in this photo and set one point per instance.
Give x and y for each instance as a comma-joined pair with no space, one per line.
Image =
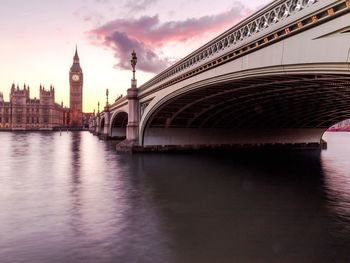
105,133
97,125
97,120
132,129
132,132
93,124
106,128
93,128
107,117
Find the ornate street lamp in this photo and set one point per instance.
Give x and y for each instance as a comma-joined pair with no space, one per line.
107,97
133,62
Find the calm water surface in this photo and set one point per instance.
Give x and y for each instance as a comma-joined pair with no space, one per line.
71,198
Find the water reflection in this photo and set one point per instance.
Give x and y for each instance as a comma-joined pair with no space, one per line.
336,168
224,209
71,198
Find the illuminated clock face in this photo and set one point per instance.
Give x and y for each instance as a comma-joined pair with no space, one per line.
75,77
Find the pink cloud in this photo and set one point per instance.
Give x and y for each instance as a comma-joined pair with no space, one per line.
122,44
147,35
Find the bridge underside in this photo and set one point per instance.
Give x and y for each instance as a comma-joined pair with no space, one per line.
281,109
118,127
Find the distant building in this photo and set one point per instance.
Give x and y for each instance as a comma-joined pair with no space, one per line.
24,113
87,117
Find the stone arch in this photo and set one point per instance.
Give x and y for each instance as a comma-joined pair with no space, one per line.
294,107
102,125
119,122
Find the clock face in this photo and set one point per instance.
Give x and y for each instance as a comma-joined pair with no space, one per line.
75,77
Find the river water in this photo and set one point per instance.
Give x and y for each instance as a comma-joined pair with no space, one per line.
72,198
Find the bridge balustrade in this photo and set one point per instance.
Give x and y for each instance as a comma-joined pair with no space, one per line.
236,36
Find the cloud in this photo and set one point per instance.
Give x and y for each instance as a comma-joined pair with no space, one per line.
147,35
87,15
121,44
138,5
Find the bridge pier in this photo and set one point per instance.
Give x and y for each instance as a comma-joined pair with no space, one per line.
126,146
206,140
132,129
132,133
223,148
92,126
97,120
189,140
105,133
97,125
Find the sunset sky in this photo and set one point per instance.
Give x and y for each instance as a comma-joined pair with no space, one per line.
39,37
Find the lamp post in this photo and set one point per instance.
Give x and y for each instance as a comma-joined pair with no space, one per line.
107,118
132,133
97,130
133,63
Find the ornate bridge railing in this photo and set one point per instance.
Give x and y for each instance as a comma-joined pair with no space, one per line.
275,21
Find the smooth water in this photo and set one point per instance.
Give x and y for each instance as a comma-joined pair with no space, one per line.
72,198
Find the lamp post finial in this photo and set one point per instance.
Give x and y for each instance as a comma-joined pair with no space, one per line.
133,62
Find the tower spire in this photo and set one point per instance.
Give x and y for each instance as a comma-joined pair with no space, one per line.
76,61
76,57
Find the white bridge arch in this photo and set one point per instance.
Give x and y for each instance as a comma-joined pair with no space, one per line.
279,76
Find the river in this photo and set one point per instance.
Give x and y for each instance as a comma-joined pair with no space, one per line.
72,198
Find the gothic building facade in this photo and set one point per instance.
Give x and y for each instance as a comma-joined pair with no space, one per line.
24,113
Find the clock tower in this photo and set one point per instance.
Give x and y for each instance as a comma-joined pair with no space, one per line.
76,93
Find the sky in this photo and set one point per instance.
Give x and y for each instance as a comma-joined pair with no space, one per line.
39,38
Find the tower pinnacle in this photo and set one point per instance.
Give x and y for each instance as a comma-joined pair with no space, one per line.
76,57
76,62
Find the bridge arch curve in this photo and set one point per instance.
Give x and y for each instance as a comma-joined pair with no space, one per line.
280,104
101,125
118,124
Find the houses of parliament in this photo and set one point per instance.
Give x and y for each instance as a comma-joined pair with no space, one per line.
24,113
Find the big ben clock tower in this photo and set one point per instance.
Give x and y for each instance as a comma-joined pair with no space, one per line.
76,93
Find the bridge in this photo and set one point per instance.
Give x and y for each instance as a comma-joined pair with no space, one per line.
281,76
